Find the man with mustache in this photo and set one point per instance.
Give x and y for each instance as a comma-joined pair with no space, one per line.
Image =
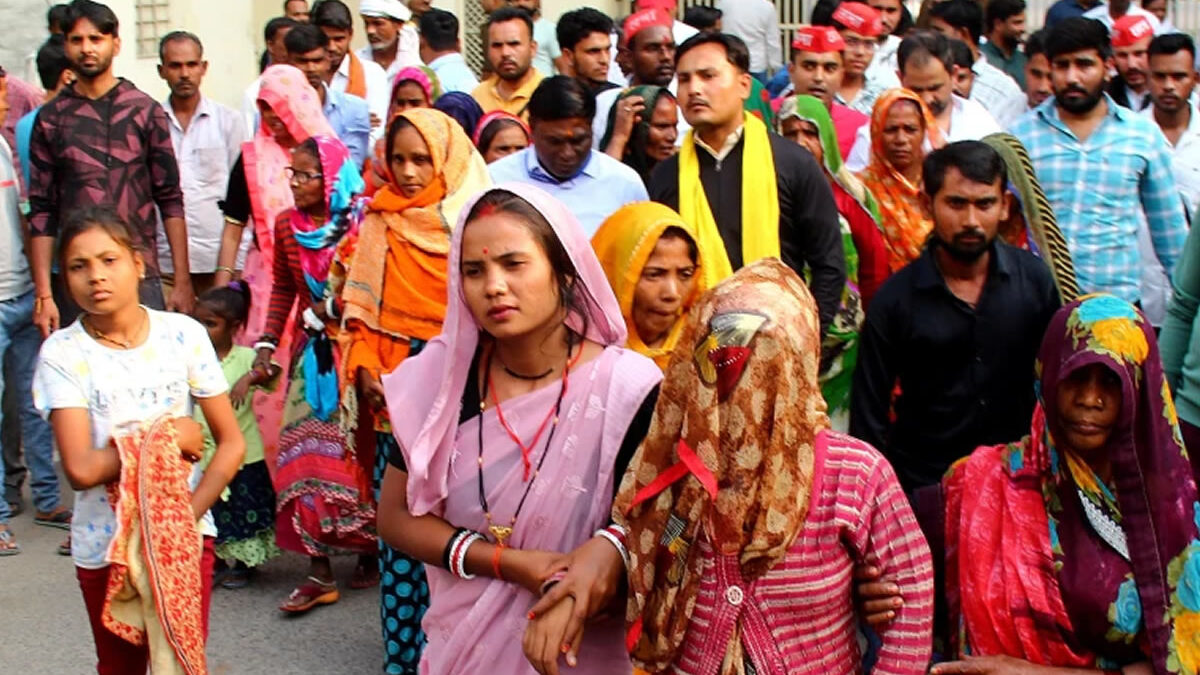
1172,85
206,137
1103,167
958,328
510,49
1131,35
103,142
648,46
392,40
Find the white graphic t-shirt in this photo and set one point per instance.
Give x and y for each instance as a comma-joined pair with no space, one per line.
163,375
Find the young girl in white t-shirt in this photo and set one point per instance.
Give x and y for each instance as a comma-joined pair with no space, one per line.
120,366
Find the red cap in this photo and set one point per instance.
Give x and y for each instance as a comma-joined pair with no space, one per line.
819,39
1130,29
647,18
860,18
666,5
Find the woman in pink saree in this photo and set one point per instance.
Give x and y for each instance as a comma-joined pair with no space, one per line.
289,113
514,427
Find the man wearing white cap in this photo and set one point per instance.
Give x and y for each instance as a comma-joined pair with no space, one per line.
392,40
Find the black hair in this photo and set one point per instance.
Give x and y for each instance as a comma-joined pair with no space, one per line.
309,147
676,232
577,24
52,61
440,30
961,14
231,302
304,38
1001,10
977,161
906,22
332,14
822,13
1172,43
1077,34
570,297
493,129
56,17
1035,44
506,14
963,58
99,15
702,18
561,98
736,51
89,218
277,24
920,46
178,36
398,122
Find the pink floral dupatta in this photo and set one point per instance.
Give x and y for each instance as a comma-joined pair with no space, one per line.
288,93
476,626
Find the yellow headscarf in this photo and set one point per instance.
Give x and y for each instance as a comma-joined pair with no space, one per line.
623,244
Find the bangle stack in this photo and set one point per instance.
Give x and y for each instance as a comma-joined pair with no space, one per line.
331,308
616,535
265,344
455,555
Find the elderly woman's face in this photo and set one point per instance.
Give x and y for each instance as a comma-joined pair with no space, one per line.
1088,402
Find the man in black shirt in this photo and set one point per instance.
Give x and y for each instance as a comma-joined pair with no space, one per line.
714,83
958,329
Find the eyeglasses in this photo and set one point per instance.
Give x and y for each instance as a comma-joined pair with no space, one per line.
300,177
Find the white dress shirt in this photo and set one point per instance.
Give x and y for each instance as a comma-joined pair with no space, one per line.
998,93
968,122
1185,163
757,23
206,152
454,74
379,88
1100,13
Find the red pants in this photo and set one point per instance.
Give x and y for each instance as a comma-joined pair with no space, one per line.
116,656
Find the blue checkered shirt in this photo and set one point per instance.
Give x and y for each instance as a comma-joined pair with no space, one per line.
1098,185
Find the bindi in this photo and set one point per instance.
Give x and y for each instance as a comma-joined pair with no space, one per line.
485,250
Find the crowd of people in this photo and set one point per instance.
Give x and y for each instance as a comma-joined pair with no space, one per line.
650,347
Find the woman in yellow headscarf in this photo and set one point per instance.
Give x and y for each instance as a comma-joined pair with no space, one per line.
650,256
900,126
388,286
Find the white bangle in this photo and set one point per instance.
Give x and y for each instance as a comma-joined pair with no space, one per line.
616,542
458,556
263,344
329,308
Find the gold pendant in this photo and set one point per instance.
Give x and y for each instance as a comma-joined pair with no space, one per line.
500,532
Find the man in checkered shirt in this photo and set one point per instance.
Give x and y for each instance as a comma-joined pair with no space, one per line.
1103,167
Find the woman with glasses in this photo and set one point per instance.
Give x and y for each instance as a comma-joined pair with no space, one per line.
325,506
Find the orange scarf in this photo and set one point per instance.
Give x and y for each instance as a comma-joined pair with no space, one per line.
905,224
357,86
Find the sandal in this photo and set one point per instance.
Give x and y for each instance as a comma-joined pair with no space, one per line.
235,578
365,576
8,543
309,595
59,517
65,547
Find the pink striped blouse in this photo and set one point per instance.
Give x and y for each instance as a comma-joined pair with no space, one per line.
800,617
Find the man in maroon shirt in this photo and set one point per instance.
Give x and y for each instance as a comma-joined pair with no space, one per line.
103,142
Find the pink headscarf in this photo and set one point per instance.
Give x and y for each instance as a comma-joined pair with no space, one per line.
424,419
496,116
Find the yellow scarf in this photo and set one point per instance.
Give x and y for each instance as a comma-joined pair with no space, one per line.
760,203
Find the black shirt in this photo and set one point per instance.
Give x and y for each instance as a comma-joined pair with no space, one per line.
809,231
966,375
1119,91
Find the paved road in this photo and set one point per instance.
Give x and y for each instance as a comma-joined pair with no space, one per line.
43,627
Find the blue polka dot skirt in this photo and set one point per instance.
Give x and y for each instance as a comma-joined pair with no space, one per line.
404,593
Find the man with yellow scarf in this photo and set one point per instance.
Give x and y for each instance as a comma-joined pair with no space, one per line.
749,193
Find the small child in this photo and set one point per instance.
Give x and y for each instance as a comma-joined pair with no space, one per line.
120,374
245,514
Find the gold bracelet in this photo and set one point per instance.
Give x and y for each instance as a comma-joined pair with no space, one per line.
39,303
223,268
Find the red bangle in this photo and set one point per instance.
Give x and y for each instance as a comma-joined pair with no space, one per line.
496,561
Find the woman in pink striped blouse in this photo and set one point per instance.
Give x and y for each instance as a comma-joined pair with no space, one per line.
746,514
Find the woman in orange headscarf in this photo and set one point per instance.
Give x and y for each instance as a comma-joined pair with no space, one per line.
900,126
389,286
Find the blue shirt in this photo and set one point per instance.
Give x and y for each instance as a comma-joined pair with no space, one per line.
351,121
24,132
601,187
1064,9
1098,185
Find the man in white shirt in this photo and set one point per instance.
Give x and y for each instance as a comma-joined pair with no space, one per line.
1172,82
757,23
350,74
993,88
926,65
206,137
891,13
441,50
1108,13
392,40
276,30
